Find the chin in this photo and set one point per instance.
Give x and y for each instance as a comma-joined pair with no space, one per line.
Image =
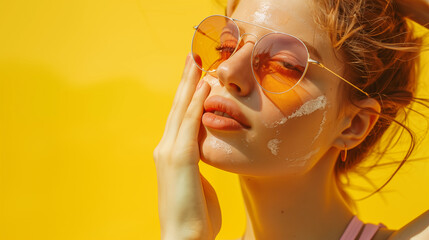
234,159
222,155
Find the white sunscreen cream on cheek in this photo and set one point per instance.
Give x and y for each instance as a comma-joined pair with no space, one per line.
301,161
305,109
273,145
310,107
220,145
321,127
274,124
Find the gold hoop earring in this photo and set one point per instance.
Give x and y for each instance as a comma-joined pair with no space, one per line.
344,155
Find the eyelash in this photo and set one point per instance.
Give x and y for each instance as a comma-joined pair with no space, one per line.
286,71
228,48
225,48
293,67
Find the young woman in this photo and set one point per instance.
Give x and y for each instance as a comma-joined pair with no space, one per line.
294,94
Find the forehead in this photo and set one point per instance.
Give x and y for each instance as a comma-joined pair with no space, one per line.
276,13
294,17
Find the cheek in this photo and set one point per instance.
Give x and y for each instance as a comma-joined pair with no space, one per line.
286,149
277,109
292,139
296,141
278,143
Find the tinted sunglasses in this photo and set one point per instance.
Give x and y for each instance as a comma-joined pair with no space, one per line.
279,60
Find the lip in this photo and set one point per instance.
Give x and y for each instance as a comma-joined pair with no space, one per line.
217,103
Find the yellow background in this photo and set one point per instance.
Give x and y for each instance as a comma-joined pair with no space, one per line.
85,90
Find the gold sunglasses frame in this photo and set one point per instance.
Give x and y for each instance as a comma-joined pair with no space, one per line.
309,60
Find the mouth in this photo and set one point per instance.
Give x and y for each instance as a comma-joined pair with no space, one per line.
223,114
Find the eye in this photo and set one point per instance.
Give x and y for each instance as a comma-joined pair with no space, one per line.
225,49
287,62
292,67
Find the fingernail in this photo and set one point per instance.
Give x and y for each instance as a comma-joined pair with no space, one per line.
198,60
200,84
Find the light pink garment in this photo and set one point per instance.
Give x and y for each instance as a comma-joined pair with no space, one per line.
354,228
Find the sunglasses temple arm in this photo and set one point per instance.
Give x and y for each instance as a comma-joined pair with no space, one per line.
329,70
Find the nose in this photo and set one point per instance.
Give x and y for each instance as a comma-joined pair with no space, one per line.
235,73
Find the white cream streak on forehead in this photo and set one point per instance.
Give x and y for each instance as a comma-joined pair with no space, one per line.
262,14
300,161
305,109
273,145
219,145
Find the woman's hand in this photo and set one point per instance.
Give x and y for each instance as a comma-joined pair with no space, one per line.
187,204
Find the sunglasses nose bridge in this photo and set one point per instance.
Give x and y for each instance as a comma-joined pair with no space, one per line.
244,38
245,35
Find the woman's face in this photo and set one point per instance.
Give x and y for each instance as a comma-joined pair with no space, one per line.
287,133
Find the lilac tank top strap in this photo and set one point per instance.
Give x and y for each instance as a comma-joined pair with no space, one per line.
355,227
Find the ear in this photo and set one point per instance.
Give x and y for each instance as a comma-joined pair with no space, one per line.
358,123
232,4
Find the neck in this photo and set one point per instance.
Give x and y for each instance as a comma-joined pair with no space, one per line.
307,206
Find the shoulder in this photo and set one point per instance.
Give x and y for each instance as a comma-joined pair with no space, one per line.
416,229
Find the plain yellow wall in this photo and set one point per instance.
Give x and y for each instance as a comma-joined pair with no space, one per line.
85,90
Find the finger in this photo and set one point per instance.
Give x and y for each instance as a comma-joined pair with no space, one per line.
190,80
192,119
178,90
183,78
